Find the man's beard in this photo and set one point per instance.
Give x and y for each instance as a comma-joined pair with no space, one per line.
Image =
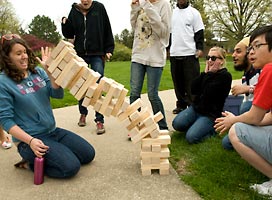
243,66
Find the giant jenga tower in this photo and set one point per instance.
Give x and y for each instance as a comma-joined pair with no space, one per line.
109,98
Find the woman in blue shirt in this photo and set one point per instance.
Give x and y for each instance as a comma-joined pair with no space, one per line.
26,113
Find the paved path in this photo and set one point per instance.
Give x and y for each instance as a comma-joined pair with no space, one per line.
114,175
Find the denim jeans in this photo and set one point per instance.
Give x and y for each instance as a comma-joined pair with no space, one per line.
67,151
98,65
137,75
245,106
197,126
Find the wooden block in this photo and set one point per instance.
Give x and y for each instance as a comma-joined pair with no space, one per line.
86,101
77,78
164,164
156,147
120,102
164,153
141,116
164,132
161,139
98,92
158,116
108,98
91,90
70,55
146,172
62,65
146,148
93,77
146,161
68,73
56,73
54,64
164,171
155,160
131,108
97,105
56,51
155,133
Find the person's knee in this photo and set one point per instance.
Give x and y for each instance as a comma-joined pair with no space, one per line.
232,135
192,138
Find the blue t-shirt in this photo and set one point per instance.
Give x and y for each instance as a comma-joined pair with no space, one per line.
27,104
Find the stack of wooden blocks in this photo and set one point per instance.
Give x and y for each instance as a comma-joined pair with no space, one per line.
109,98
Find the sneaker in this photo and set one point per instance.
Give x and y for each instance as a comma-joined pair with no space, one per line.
6,144
100,128
82,121
264,188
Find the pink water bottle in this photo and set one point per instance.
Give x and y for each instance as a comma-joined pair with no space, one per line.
38,170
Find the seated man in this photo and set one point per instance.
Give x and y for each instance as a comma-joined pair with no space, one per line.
251,132
249,80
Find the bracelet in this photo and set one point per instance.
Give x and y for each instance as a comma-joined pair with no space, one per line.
30,141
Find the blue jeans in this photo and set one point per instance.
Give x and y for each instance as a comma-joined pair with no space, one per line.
197,126
97,64
154,74
67,151
245,106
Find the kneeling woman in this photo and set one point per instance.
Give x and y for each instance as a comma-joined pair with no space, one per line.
210,89
26,113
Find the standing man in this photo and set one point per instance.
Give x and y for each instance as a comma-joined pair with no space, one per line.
150,20
187,42
249,80
88,24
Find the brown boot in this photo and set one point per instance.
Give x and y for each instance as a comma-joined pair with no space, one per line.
82,121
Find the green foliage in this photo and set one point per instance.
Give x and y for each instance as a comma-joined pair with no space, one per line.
44,28
121,53
213,172
125,38
35,43
8,20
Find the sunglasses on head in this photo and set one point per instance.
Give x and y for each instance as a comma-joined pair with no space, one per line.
8,37
213,58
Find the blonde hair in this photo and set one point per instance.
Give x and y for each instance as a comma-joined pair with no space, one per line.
222,53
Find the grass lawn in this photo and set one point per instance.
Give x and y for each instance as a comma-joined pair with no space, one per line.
211,171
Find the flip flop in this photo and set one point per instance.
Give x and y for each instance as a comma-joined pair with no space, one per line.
23,164
6,145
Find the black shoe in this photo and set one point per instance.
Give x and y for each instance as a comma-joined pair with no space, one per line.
177,110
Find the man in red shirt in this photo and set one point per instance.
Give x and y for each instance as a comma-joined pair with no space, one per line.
251,133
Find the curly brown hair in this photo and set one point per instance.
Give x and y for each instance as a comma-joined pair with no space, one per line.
8,67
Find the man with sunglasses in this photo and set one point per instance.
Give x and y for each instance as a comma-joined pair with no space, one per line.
186,46
249,80
251,132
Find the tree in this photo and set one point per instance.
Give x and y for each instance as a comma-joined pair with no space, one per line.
44,28
35,43
235,19
8,20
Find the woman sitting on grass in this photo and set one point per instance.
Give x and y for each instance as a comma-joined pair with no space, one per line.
210,89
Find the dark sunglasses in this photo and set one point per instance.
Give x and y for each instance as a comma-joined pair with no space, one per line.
213,58
8,37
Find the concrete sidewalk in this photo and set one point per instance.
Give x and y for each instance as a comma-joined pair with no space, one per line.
115,173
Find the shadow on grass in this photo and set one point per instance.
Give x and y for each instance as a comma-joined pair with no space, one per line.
211,171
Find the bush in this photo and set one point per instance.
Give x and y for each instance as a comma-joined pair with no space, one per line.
121,53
